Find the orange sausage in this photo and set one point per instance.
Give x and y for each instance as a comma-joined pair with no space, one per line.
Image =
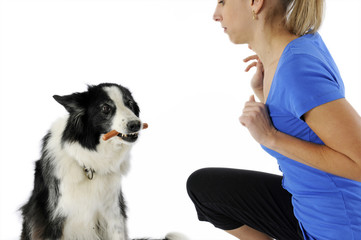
110,134
114,133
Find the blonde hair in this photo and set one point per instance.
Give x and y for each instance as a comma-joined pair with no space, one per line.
303,16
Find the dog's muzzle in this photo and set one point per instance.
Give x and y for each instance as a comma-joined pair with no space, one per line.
130,137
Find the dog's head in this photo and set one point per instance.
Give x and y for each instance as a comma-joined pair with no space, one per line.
102,108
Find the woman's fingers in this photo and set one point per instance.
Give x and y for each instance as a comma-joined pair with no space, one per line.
252,106
257,63
253,57
254,64
252,99
256,108
256,119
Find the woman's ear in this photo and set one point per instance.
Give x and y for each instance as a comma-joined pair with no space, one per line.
256,6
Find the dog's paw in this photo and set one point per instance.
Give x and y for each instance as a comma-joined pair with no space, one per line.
176,236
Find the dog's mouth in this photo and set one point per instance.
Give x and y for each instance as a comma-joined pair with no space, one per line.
130,137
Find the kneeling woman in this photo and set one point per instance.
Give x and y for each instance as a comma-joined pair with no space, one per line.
302,119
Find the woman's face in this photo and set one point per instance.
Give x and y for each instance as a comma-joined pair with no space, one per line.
235,17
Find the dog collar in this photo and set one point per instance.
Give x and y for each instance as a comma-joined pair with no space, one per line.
89,172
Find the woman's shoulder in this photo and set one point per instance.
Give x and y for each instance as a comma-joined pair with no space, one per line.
301,44
306,73
309,46
307,54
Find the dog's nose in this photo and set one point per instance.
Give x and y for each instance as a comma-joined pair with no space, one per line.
133,126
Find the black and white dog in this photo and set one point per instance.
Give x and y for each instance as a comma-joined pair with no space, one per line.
77,189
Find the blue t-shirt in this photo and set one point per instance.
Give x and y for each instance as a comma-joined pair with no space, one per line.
327,206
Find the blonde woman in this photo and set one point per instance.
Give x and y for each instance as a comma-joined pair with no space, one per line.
302,119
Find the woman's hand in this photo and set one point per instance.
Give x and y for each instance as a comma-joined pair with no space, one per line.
256,118
257,80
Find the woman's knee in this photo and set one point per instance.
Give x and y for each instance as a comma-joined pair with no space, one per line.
196,181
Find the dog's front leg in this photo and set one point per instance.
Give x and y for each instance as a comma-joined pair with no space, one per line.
117,233
115,217
116,229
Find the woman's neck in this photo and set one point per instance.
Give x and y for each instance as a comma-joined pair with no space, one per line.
269,45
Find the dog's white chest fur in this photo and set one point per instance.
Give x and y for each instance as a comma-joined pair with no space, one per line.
91,207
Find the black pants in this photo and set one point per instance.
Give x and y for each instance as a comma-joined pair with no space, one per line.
231,198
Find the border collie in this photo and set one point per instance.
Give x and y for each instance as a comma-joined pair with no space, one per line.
77,188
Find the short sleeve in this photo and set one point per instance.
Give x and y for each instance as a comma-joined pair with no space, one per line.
309,82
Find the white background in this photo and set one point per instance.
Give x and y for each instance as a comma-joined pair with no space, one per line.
185,74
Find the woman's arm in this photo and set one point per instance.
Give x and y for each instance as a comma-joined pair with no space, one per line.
336,123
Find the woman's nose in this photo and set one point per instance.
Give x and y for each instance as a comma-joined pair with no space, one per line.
217,16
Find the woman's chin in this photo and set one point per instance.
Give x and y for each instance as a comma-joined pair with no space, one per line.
236,40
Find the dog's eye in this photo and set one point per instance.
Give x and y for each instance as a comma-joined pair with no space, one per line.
106,109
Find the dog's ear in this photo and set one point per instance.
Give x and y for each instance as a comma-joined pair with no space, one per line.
73,102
